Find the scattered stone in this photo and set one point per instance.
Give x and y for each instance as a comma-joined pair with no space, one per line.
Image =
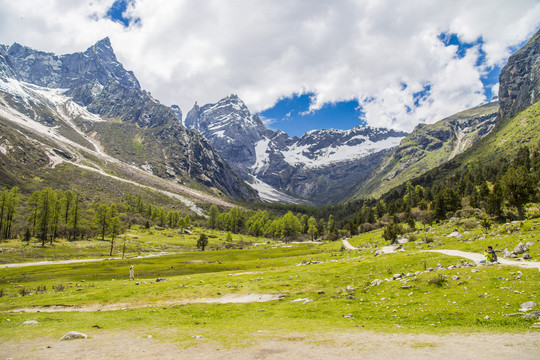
350,288
530,243
376,282
160,279
397,276
378,252
303,301
349,316
30,322
526,256
532,315
520,248
486,317
455,277
198,337
405,287
321,292
409,275
350,297
137,283
71,335
474,270
528,305
402,240
518,277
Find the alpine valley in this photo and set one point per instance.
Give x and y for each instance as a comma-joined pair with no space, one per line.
83,119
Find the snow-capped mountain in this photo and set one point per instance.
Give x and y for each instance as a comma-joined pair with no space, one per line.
319,167
90,110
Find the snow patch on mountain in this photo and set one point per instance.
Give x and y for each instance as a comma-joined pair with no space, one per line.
303,155
268,193
261,154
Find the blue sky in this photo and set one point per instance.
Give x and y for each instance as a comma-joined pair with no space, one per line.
292,115
300,64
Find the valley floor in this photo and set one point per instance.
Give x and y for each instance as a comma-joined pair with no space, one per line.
270,345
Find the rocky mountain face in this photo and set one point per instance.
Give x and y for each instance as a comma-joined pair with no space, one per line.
474,135
428,146
519,81
320,167
88,102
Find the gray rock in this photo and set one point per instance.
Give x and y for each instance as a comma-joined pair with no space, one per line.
72,335
519,80
455,277
350,297
529,243
532,315
397,276
526,256
160,279
520,248
507,253
320,292
528,305
30,322
376,282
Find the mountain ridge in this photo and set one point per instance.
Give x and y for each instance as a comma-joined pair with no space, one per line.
113,97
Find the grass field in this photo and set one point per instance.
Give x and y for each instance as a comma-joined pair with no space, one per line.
320,286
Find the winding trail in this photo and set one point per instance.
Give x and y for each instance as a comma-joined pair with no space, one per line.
348,245
63,262
477,257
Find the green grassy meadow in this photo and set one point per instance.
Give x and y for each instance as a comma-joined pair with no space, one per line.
321,286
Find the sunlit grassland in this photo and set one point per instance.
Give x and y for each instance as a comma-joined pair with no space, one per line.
334,286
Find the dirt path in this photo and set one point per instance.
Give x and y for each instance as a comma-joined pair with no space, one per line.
356,344
348,245
63,262
477,257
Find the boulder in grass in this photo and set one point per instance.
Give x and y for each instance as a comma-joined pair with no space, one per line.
528,305
30,322
532,315
72,335
520,248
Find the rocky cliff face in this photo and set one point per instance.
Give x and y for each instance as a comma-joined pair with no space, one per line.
428,146
320,167
131,125
520,79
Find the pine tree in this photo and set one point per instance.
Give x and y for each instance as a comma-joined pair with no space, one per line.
518,187
213,214
202,242
312,227
101,218
10,204
114,224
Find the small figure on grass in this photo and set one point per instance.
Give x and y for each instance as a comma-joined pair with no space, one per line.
131,273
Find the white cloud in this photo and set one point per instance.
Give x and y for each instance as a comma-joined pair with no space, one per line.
263,50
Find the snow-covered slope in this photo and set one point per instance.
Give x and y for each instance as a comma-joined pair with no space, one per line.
289,169
85,106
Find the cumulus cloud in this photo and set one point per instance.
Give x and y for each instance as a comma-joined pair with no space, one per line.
385,54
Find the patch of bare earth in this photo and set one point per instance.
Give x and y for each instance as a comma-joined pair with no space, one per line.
271,345
229,298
